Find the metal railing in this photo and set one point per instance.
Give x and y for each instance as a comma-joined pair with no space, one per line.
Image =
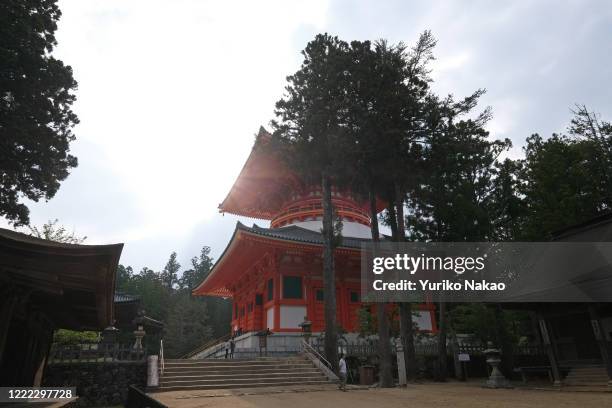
138,399
308,349
162,363
207,345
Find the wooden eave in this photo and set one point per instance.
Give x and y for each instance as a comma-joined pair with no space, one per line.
73,285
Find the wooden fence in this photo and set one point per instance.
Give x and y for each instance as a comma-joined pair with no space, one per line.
429,349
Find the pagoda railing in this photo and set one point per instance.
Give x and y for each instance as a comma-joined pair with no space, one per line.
313,208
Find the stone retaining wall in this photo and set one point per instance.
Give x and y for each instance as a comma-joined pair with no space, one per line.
101,384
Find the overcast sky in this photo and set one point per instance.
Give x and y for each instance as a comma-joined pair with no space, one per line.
171,94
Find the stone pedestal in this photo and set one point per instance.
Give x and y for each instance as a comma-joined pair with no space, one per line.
138,335
401,365
496,379
152,372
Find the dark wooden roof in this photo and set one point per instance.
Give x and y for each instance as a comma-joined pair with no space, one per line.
600,223
72,285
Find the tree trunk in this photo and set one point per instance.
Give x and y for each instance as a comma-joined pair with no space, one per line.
455,350
329,275
441,373
384,347
503,341
392,223
405,308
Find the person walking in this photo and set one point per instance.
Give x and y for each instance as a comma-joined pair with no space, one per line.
343,372
232,347
227,349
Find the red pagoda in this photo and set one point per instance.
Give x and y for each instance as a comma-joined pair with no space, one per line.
274,275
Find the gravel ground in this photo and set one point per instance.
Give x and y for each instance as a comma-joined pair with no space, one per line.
452,395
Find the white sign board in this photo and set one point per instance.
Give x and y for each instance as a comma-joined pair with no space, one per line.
464,357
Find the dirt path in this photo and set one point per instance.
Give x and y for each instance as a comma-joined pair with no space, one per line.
451,395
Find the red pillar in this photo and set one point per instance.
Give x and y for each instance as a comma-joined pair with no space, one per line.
277,297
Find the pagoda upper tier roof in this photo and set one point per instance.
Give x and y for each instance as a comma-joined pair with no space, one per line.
263,185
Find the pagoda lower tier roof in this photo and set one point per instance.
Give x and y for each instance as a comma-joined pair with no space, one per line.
249,244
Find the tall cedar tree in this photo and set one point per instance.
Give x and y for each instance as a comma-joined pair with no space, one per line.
388,88
309,127
169,275
36,95
453,201
369,83
407,134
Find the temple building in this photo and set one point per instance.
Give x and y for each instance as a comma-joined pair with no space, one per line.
274,275
45,286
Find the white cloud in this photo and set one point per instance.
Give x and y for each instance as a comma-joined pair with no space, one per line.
171,94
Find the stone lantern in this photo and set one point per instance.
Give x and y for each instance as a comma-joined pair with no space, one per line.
496,379
306,327
138,335
263,341
109,335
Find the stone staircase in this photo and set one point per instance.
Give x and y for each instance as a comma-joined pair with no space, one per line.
234,373
590,376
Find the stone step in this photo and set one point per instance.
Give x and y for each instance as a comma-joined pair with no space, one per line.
247,384
180,377
234,373
585,383
223,363
231,360
238,367
240,371
587,376
589,370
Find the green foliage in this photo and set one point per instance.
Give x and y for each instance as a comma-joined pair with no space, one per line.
311,116
367,321
481,321
564,179
63,336
169,275
187,325
189,321
200,267
57,233
36,95
452,198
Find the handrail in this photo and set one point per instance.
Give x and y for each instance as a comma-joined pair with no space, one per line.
206,346
307,348
162,363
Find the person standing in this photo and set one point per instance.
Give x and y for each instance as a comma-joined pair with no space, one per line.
227,349
343,372
232,347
